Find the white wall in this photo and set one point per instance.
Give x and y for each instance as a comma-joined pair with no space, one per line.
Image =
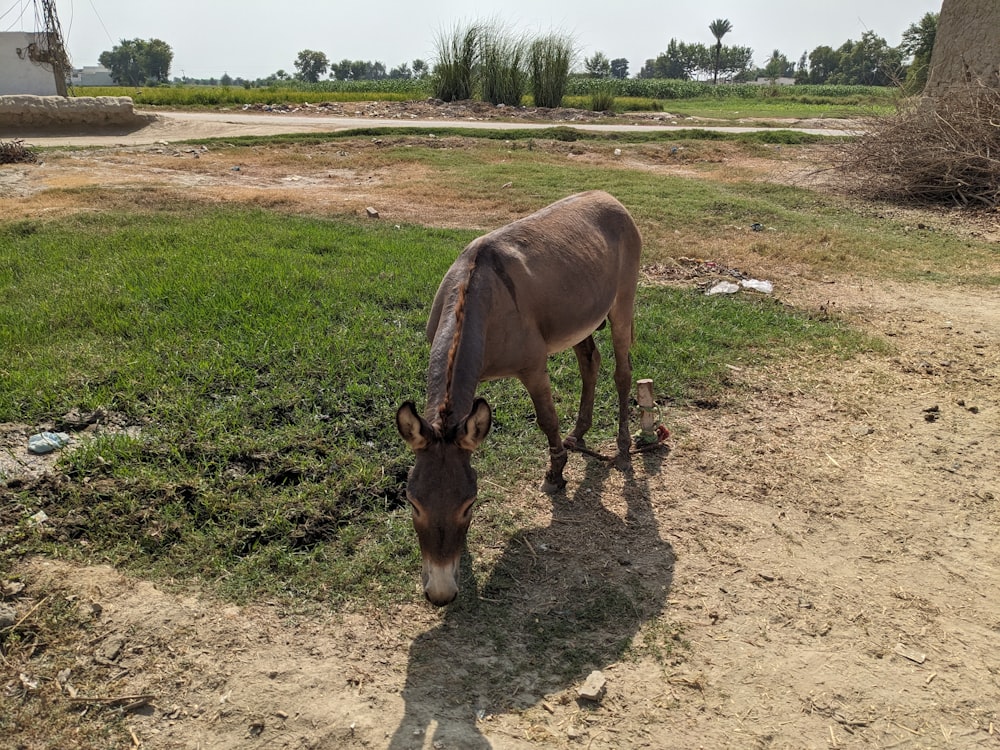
18,74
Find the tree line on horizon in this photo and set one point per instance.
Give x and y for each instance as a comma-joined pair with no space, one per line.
870,61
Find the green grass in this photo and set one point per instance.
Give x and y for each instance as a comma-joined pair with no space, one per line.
688,98
263,357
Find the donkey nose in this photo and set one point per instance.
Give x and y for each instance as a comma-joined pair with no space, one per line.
440,586
439,600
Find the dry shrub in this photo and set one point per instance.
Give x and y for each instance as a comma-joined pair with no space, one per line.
14,152
944,150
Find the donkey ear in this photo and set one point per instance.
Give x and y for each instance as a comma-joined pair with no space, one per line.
414,428
476,426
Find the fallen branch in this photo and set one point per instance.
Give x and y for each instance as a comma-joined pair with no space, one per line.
125,702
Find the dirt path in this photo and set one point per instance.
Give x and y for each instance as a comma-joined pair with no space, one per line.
815,562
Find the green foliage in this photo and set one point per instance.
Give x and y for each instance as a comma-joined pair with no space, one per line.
550,59
597,65
136,62
311,65
719,28
918,41
602,99
454,75
503,66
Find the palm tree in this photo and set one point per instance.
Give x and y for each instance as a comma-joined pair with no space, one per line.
719,28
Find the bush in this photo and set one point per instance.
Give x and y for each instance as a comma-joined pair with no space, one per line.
455,73
602,99
942,150
551,58
503,66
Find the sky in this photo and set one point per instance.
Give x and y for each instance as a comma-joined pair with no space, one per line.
255,38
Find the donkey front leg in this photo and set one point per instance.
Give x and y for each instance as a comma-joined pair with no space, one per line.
539,388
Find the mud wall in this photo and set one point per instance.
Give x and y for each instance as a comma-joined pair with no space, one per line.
22,114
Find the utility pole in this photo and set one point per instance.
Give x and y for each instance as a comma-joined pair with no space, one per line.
52,50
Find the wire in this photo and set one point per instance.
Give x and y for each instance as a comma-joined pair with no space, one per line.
101,21
20,16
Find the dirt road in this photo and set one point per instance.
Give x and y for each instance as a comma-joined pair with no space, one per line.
186,125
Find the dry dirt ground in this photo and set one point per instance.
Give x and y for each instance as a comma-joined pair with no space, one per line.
817,555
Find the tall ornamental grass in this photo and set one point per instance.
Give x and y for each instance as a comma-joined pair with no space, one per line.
454,77
503,67
551,58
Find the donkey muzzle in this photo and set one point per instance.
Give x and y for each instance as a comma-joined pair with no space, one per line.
441,582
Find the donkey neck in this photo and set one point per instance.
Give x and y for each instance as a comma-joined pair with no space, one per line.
458,350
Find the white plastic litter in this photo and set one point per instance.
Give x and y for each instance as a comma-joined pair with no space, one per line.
46,442
761,286
724,287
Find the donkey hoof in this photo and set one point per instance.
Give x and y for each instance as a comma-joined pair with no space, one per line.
550,488
623,461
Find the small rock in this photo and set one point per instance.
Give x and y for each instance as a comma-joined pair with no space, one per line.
90,610
8,616
593,687
372,213
111,648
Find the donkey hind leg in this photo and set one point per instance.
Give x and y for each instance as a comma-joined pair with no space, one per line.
621,334
540,389
589,359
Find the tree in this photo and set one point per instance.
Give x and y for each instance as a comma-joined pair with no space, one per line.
868,62
134,62
680,61
401,71
619,68
420,68
823,63
918,42
598,65
802,70
736,62
778,66
719,28
311,65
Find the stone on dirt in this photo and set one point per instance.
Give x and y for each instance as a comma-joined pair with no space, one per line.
593,687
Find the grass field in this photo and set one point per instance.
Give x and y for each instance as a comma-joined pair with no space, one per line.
689,98
263,357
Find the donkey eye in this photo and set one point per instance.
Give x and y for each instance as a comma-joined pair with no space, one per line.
466,511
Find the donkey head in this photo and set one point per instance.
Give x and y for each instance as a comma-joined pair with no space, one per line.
441,488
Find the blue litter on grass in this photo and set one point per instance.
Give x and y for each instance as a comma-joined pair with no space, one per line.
46,442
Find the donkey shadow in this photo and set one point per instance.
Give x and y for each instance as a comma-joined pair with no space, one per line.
561,600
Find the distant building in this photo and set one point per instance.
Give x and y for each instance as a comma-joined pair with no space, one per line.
91,75
19,73
783,81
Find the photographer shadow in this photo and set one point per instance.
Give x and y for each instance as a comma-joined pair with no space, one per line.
561,600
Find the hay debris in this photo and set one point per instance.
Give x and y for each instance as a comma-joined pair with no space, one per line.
15,152
942,151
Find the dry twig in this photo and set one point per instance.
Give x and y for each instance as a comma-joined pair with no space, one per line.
946,150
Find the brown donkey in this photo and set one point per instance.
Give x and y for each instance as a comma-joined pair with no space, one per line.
537,286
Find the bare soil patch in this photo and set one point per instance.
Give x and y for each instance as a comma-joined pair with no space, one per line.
816,557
